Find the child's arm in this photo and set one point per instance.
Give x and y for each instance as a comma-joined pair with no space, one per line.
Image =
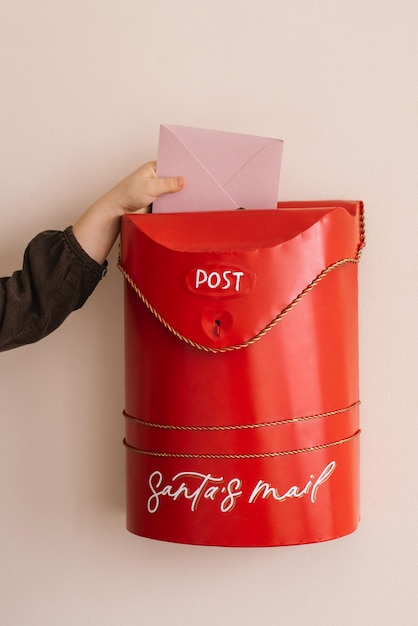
97,229
61,269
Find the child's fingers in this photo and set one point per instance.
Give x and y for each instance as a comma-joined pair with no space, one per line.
158,186
174,184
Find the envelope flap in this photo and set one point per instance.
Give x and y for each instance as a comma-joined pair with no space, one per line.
237,269
223,154
241,185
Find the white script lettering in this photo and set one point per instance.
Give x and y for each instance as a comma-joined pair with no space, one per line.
265,490
193,486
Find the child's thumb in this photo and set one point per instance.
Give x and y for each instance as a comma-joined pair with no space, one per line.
171,185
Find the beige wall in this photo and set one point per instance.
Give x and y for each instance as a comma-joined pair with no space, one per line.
84,87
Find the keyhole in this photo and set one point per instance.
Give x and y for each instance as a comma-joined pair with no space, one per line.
216,324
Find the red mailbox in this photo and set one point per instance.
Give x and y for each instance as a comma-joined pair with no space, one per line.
242,398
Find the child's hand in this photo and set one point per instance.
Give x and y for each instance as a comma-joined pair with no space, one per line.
139,190
98,227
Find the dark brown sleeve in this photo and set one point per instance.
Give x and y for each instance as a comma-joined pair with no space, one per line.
57,277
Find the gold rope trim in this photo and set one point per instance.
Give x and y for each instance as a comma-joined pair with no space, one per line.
271,324
260,455
292,420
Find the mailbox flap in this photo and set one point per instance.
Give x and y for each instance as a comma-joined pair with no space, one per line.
218,279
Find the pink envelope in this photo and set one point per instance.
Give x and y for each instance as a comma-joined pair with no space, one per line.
223,170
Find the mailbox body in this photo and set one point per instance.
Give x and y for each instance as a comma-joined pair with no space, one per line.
241,368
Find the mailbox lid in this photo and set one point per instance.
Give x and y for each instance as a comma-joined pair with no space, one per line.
219,278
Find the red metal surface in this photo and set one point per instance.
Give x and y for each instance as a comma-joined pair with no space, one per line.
256,446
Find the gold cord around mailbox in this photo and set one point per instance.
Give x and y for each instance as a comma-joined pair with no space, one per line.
256,455
251,426
271,324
